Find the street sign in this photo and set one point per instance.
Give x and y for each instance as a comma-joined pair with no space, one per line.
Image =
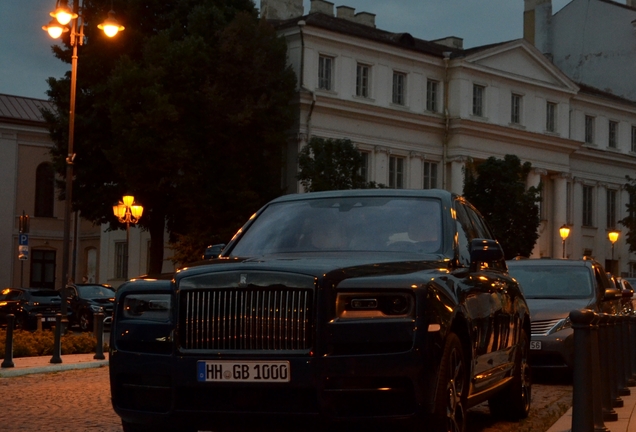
23,247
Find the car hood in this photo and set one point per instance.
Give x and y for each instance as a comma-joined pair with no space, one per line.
336,266
550,309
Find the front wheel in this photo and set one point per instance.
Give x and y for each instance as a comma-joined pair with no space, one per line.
514,402
452,387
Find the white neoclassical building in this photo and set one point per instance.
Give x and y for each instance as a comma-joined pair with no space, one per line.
419,110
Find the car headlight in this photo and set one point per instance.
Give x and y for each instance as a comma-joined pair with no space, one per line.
374,305
150,307
97,309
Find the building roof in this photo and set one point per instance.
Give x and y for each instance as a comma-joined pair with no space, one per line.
343,26
18,109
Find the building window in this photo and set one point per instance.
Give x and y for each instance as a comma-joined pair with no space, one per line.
121,260
515,109
362,80
589,129
613,134
396,172
588,205
634,138
325,73
430,175
478,100
44,190
364,168
42,269
399,88
431,95
611,209
550,117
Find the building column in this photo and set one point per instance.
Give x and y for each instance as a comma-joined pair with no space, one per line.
457,166
576,231
416,170
559,213
601,242
381,165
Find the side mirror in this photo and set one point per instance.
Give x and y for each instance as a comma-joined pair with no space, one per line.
213,251
612,294
485,251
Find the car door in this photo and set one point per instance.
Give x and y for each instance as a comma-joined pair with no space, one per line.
488,306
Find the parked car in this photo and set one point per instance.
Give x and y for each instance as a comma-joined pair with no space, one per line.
27,303
627,292
347,305
85,300
553,288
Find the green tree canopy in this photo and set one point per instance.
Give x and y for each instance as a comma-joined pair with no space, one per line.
331,164
186,110
629,221
497,188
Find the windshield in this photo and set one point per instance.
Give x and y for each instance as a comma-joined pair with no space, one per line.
95,291
377,224
558,282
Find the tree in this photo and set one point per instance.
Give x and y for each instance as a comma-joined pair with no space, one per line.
331,164
629,221
186,110
497,188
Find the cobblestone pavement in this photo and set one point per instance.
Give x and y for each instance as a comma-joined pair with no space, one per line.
79,400
72,401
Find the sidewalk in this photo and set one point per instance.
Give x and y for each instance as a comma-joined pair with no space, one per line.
42,364
626,417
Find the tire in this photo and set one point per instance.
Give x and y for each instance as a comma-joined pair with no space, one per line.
85,321
452,388
514,402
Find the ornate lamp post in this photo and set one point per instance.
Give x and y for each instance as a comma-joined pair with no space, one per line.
63,15
129,213
613,236
564,231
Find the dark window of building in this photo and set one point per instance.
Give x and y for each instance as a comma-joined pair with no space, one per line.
44,190
42,268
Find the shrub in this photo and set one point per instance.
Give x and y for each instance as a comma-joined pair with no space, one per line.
41,342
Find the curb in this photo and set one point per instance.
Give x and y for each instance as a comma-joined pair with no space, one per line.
13,372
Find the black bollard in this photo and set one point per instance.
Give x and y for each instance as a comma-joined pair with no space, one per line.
582,387
8,343
98,328
632,342
627,361
57,344
618,355
38,320
607,384
617,402
597,392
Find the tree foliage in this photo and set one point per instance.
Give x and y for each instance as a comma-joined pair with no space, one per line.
331,164
497,188
629,221
186,110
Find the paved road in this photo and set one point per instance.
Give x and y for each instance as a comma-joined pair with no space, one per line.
79,400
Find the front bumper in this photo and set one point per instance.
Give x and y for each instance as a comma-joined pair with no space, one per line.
557,351
150,388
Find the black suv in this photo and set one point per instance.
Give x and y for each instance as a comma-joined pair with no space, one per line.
346,305
85,300
27,303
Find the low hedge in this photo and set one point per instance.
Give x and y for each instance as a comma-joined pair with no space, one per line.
38,343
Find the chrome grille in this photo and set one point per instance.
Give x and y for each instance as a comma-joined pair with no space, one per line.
246,319
542,328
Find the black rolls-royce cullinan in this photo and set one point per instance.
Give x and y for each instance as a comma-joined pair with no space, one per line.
346,306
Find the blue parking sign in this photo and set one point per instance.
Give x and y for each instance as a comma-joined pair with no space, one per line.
24,239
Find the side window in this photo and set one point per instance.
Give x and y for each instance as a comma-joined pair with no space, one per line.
480,227
465,233
13,295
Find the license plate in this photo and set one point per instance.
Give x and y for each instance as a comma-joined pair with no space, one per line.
243,371
48,319
535,345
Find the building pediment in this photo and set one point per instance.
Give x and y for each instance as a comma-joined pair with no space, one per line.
520,60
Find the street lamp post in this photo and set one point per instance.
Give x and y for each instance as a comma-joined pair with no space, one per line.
564,231
613,236
129,213
63,15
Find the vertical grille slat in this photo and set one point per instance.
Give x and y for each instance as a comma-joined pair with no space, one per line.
246,319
